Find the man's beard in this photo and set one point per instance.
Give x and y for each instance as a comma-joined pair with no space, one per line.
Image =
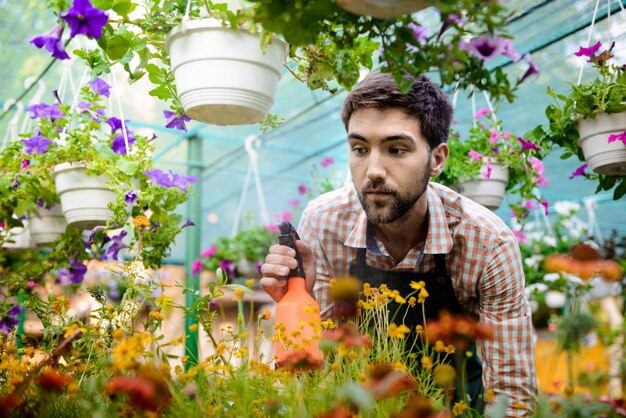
382,212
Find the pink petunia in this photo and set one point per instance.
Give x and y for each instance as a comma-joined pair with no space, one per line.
487,172
520,236
272,227
580,171
494,137
474,156
294,202
530,204
527,144
618,137
589,51
507,134
209,252
196,267
302,189
327,161
481,112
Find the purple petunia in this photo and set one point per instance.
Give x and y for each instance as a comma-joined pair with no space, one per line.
421,33
8,322
84,19
452,18
16,181
112,253
485,47
227,266
588,52
130,196
119,145
580,171
74,275
532,68
187,223
52,42
174,122
43,111
302,189
510,51
100,87
171,179
37,144
116,123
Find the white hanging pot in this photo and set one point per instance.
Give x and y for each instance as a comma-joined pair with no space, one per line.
19,238
46,225
487,192
222,75
247,268
382,8
84,198
601,156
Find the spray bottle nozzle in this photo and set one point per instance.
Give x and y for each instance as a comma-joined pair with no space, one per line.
288,236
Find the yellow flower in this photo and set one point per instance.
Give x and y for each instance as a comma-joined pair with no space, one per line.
439,346
193,327
156,315
250,283
422,296
427,363
141,221
449,349
490,395
328,324
396,331
267,314
417,285
118,334
419,329
238,294
444,375
459,408
412,301
367,289
400,300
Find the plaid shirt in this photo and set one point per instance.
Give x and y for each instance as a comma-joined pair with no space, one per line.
482,256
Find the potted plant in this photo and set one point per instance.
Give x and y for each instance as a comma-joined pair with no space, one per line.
500,159
382,9
590,122
239,256
97,148
329,46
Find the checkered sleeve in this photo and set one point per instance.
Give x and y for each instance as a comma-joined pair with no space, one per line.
508,359
309,235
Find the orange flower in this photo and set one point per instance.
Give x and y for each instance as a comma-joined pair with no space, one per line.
339,411
458,330
51,379
349,335
387,381
300,361
584,261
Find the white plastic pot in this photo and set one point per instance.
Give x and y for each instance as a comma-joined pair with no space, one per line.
222,75
602,157
84,198
382,8
46,225
19,237
487,192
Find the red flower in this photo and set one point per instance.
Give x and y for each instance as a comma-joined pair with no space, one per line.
51,379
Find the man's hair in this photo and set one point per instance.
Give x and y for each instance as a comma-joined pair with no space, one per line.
425,101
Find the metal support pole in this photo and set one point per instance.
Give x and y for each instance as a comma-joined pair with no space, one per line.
192,250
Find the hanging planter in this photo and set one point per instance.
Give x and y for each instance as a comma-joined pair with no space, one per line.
222,75
84,199
18,239
487,192
46,225
603,157
382,8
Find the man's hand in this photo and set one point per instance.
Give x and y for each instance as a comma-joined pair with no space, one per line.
277,264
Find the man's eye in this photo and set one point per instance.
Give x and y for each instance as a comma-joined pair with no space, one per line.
359,150
397,151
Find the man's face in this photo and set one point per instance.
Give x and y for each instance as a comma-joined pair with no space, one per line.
390,162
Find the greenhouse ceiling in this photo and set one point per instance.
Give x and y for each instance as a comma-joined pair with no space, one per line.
288,156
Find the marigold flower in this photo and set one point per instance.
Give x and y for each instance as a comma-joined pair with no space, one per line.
490,395
412,301
459,408
426,362
141,221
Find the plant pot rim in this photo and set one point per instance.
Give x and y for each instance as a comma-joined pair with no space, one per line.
69,166
199,25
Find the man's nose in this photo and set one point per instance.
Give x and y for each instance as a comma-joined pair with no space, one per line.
375,167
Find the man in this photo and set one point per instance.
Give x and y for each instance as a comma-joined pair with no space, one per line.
393,226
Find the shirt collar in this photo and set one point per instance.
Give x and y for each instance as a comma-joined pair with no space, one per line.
438,240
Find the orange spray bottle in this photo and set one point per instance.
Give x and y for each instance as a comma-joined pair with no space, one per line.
298,323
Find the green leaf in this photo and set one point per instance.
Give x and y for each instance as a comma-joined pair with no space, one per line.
155,74
162,92
117,47
235,286
128,167
566,155
123,7
620,190
103,4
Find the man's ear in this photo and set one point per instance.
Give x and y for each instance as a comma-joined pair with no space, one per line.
438,158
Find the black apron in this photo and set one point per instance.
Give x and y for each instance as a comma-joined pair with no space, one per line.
440,296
